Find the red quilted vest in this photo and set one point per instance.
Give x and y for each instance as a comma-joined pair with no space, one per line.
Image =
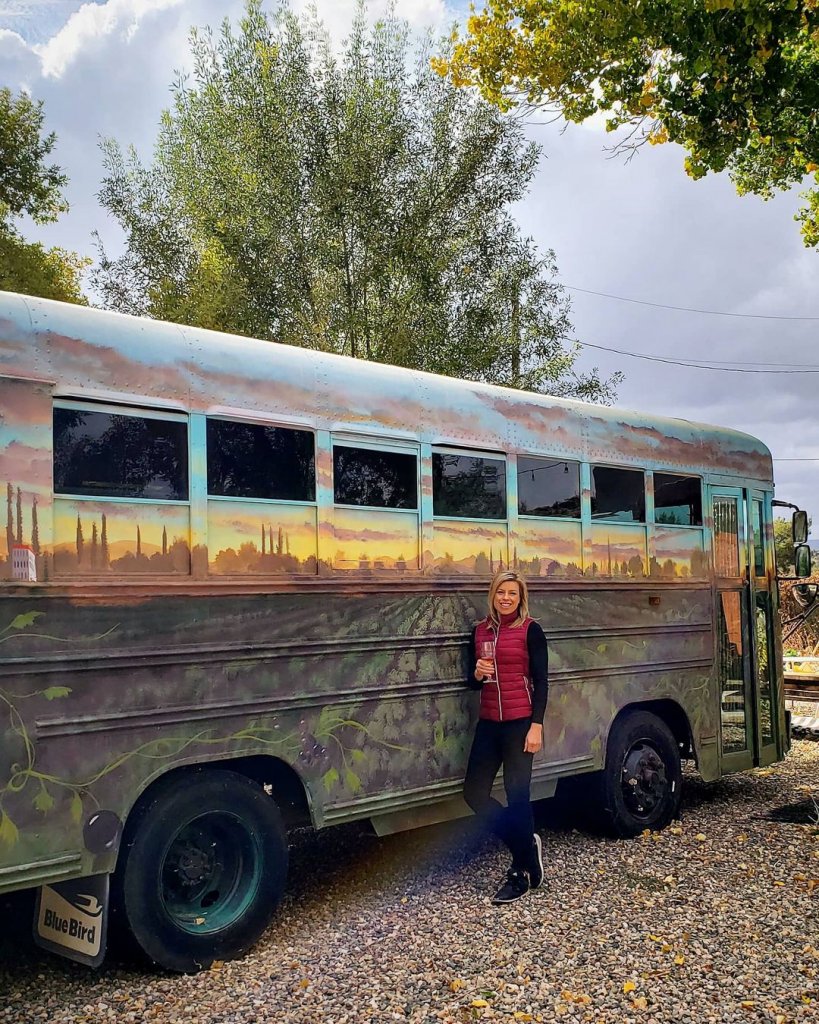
509,695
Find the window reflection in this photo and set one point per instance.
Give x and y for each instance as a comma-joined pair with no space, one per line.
251,460
379,479
548,487
677,500
116,455
618,494
468,486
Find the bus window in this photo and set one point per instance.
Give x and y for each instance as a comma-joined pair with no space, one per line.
468,486
374,477
119,455
251,460
548,487
618,495
677,500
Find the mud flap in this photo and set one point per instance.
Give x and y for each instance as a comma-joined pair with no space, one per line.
71,918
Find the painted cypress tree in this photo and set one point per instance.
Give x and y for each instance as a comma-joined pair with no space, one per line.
164,540
19,516
9,520
80,542
105,558
264,541
139,543
35,529
94,546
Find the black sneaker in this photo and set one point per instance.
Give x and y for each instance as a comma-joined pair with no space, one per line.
515,886
536,867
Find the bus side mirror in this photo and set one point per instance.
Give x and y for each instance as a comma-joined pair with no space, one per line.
799,527
801,561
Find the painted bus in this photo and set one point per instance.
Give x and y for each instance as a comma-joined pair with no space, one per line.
238,580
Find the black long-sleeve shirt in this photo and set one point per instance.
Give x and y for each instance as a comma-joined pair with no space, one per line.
538,668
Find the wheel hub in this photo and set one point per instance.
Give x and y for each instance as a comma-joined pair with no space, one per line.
644,779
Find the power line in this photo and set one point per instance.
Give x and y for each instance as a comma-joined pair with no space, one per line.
686,309
698,365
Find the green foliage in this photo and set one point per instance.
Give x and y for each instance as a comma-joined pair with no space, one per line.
354,203
783,546
735,82
30,186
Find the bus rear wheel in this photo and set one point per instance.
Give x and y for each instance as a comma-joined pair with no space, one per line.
642,779
202,869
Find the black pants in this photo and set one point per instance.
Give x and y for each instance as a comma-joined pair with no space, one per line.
499,744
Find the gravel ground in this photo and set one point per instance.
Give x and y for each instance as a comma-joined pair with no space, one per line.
714,919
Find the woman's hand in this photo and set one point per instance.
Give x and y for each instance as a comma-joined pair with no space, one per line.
484,669
534,739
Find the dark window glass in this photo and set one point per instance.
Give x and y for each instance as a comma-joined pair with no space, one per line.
110,455
618,494
366,476
468,486
677,500
548,487
248,460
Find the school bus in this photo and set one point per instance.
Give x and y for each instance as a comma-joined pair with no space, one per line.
238,581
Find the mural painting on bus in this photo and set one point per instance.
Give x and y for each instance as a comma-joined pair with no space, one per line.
256,537
548,548
408,725
678,554
467,546
25,468
120,537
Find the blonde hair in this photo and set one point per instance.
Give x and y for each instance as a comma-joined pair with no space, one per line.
509,576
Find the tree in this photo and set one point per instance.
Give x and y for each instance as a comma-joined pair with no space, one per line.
357,204
735,82
30,186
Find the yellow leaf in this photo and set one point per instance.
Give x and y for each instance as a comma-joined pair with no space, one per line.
700,837
479,1003
629,986
747,1004
519,1015
742,839
679,959
304,983
404,899
676,831
455,985
655,938
779,1019
217,965
665,948
639,1002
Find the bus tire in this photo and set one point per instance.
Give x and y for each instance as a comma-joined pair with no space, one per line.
642,779
202,869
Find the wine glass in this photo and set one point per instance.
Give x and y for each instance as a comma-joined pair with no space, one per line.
488,651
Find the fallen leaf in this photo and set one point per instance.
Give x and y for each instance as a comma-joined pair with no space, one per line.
676,831
519,1015
747,1004
217,965
665,948
478,1003
700,837
679,959
629,986
639,1002
455,985
304,983
779,1019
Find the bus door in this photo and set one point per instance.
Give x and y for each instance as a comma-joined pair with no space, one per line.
743,629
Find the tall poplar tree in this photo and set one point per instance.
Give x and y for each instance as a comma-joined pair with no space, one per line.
355,203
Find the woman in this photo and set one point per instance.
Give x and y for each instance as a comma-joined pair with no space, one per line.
508,663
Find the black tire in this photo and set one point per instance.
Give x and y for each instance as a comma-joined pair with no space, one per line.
641,784
202,869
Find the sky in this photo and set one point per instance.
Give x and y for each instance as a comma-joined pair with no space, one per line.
640,230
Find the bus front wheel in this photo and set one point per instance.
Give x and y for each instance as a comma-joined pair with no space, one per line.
202,869
642,779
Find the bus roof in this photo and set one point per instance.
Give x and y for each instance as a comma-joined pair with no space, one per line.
107,356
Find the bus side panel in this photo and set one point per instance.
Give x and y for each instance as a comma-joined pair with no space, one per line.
358,688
